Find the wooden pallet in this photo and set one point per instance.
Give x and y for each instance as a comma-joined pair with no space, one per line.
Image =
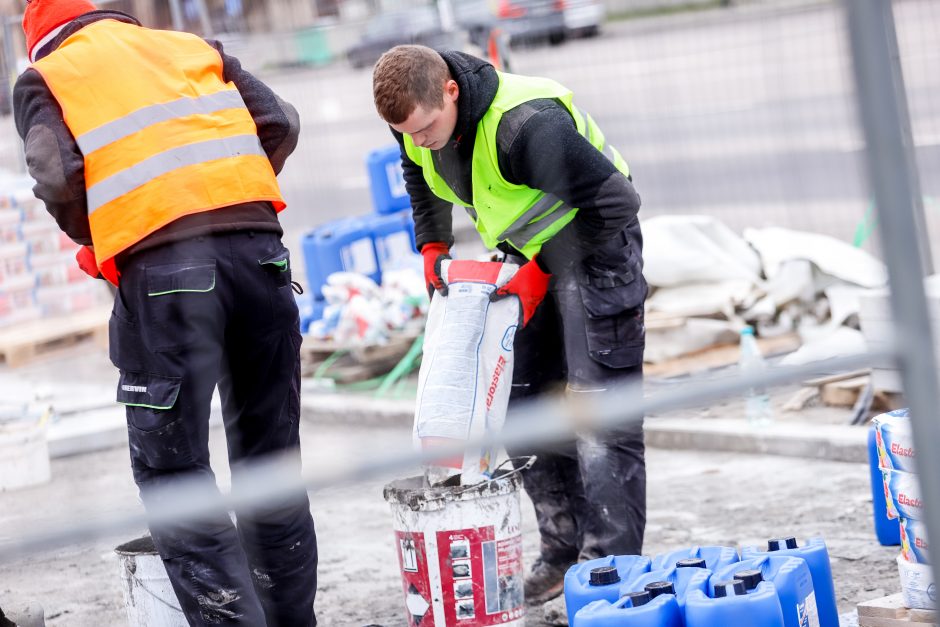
357,362
889,611
26,341
843,390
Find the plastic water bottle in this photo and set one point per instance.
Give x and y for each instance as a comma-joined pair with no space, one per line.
758,410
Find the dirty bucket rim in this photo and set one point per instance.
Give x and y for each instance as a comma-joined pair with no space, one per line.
418,496
138,546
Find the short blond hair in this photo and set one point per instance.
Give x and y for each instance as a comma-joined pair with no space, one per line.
405,77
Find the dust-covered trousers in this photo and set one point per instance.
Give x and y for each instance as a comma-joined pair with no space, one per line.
587,335
190,315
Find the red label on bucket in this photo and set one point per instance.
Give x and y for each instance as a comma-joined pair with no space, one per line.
412,557
481,577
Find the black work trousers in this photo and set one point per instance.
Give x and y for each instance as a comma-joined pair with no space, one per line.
189,316
587,336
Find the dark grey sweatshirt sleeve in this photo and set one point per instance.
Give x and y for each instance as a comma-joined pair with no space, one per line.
52,156
433,215
539,146
277,121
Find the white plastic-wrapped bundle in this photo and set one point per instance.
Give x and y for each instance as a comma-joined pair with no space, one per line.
466,372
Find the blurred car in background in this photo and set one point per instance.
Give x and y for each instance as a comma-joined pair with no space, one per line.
416,25
584,17
523,21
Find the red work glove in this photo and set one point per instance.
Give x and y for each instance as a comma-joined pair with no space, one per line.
434,254
86,261
530,284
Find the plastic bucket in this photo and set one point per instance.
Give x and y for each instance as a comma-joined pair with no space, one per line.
148,595
460,551
24,454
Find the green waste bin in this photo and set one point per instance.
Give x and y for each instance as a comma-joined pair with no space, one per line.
312,47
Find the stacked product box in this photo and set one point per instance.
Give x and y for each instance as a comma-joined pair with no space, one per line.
896,454
38,272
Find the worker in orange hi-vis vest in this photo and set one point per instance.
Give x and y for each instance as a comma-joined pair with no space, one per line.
158,153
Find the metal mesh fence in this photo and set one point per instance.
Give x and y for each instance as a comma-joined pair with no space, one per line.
745,113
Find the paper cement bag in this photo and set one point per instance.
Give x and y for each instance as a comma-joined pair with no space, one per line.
466,371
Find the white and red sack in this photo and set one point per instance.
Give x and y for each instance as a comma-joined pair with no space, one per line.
466,371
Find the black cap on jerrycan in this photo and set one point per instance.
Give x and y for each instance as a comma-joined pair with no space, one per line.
638,598
750,578
657,588
604,576
691,562
729,588
779,544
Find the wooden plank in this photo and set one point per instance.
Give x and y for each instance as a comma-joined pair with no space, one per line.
890,611
843,393
21,343
719,356
821,381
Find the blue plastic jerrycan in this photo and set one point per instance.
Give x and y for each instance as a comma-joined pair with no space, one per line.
791,578
817,558
343,245
657,607
685,576
601,579
386,180
732,605
716,557
888,531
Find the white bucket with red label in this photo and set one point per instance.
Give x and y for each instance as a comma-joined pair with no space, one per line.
460,551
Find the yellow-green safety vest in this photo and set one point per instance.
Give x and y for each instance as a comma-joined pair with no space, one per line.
524,217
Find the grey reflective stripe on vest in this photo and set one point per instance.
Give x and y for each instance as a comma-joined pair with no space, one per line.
523,230
133,177
152,114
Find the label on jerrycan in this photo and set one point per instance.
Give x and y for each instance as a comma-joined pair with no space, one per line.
806,611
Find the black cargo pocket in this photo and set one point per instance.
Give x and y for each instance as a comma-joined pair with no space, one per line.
277,265
277,268
157,435
177,303
125,345
614,325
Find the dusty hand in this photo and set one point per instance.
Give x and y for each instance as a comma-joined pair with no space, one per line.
530,284
434,254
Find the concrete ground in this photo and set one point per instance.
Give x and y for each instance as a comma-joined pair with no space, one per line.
694,497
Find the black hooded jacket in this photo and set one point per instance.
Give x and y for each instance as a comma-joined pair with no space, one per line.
538,146
57,164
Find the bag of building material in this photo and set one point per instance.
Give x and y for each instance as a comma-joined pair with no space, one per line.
466,371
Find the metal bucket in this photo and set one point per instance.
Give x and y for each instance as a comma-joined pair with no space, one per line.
460,551
148,596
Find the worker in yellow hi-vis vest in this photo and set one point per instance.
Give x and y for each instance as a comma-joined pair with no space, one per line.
540,183
158,153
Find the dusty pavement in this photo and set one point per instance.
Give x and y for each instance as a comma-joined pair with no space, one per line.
694,498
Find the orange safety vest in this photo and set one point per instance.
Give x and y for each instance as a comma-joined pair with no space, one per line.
162,134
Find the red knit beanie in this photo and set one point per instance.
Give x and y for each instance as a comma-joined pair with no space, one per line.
43,19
